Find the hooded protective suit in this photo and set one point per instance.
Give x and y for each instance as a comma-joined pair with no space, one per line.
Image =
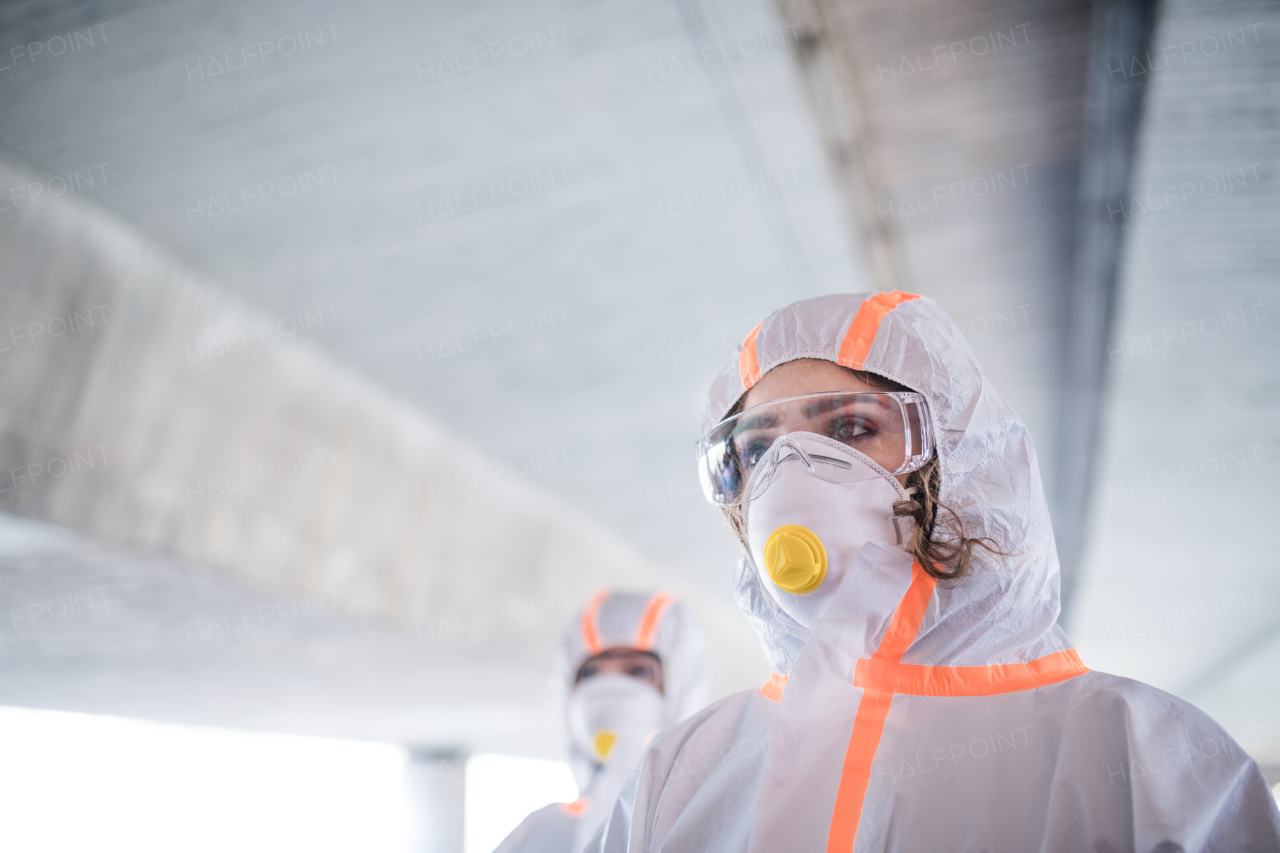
632,709
935,715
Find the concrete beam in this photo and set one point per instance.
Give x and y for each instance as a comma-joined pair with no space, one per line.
1120,33
832,88
146,409
142,406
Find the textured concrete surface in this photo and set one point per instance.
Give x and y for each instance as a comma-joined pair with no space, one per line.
549,250
1180,587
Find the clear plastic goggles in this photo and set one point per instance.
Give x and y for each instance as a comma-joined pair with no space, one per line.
890,428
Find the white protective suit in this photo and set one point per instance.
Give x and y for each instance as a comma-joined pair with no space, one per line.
924,715
655,623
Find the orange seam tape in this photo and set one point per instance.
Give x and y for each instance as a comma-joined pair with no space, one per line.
590,632
774,687
748,363
971,680
868,726
577,807
873,707
647,630
862,331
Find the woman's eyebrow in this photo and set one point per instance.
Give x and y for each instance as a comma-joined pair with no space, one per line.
823,407
817,409
761,421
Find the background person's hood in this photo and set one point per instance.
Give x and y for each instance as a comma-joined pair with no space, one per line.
652,622
1004,610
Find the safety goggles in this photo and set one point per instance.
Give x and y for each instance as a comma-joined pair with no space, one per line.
890,428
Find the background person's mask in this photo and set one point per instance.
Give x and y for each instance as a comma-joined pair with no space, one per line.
804,532
611,719
612,716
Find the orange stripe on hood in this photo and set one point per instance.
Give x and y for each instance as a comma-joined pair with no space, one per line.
651,620
748,363
590,630
862,331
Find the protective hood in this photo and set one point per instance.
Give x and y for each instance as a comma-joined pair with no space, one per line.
1004,610
650,622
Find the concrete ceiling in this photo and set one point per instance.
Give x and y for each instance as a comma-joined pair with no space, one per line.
584,316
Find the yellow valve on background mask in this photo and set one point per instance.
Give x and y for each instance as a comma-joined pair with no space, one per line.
795,559
604,742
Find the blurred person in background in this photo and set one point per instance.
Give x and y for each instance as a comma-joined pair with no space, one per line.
629,666
900,568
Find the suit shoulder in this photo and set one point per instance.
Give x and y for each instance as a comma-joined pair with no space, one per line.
550,825
733,707
1144,710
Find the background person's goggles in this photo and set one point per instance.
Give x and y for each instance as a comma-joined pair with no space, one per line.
890,428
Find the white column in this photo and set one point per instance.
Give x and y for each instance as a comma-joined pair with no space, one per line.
434,783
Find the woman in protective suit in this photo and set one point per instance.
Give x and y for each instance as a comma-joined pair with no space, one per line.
629,665
900,569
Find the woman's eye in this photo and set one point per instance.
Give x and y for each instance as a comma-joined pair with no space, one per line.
752,451
849,429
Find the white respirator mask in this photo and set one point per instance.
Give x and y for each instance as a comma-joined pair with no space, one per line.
804,530
612,717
